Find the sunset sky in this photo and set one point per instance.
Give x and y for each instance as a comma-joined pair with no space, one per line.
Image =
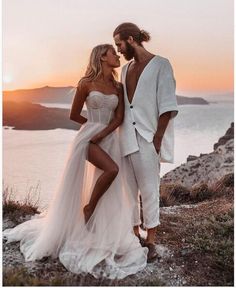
47,42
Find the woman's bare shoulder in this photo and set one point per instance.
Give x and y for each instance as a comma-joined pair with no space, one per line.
84,85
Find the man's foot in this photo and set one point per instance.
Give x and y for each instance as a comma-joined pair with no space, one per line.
44,259
141,240
152,253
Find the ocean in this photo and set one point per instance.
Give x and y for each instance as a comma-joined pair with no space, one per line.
34,160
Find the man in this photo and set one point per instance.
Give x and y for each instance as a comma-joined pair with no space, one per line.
147,131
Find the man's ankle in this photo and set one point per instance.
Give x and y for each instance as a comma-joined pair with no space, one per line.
149,241
151,235
136,231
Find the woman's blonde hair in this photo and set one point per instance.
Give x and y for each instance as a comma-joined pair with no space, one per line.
94,68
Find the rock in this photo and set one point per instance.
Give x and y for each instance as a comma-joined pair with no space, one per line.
228,135
176,209
162,251
185,251
191,158
7,223
202,154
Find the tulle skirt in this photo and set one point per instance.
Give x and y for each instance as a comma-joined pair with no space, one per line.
106,245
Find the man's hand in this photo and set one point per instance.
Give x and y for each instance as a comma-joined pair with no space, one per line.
157,143
162,124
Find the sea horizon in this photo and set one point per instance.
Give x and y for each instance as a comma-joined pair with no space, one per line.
197,129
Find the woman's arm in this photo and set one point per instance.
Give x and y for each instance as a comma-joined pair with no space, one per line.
78,103
116,121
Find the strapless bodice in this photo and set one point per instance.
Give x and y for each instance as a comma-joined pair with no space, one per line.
101,106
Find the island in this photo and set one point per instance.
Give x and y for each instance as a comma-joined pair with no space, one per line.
22,109
65,95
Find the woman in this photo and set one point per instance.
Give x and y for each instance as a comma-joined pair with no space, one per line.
88,224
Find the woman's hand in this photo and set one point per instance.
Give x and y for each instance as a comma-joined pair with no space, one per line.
97,138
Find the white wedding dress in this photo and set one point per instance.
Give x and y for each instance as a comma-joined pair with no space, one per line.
106,246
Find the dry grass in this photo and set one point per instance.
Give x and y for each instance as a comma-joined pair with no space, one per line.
15,210
176,194
224,187
20,277
173,195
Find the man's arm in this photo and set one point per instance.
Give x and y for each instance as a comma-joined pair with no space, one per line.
166,101
162,124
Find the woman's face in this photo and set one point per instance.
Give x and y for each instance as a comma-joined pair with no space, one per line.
112,59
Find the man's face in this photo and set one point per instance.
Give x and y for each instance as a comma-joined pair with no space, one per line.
124,47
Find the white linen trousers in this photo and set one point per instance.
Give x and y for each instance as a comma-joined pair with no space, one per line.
143,177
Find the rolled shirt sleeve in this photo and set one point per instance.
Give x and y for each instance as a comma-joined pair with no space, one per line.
166,98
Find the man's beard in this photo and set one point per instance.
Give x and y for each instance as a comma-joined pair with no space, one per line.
129,51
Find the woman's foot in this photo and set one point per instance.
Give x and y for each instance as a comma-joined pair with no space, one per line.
87,213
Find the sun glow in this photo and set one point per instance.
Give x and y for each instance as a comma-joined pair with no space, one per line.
7,79
56,53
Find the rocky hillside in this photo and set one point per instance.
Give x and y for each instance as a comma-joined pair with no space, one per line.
206,168
228,136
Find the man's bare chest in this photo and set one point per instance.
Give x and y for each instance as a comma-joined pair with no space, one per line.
133,74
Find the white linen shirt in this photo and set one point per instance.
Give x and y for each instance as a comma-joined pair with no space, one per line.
153,96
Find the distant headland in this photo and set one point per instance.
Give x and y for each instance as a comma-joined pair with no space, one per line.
65,95
22,109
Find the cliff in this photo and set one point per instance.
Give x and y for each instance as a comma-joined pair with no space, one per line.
206,168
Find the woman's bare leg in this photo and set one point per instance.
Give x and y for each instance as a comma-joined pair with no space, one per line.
103,161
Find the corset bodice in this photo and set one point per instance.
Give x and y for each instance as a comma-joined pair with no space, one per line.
101,107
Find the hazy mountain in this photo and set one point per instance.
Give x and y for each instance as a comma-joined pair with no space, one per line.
182,100
28,116
65,95
41,95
